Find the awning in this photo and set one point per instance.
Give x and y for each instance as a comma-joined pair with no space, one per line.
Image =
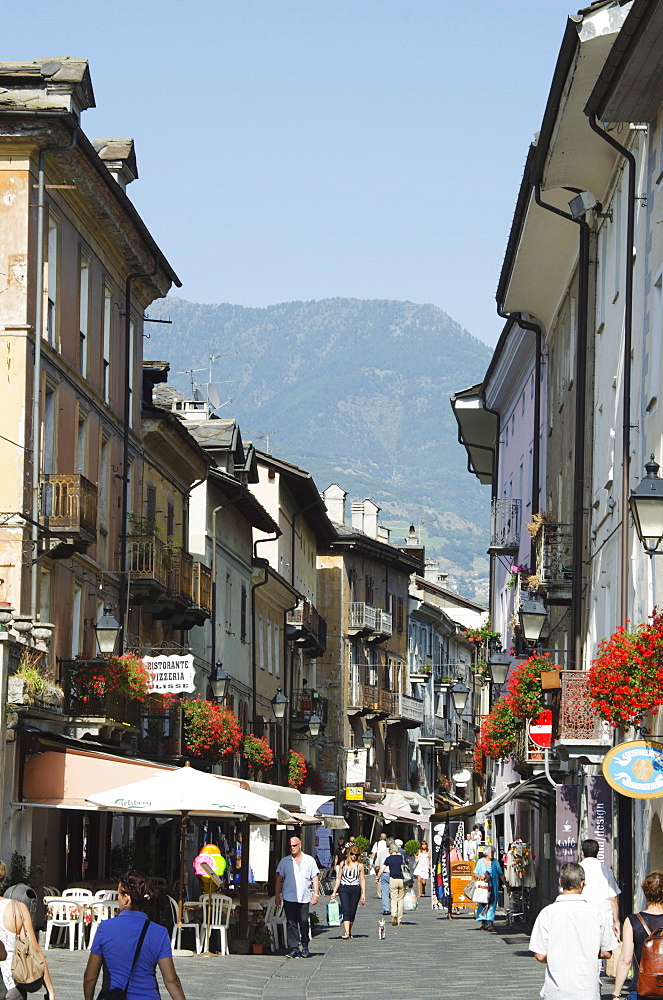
63,780
288,797
533,789
455,811
477,431
402,798
312,803
303,819
389,814
332,822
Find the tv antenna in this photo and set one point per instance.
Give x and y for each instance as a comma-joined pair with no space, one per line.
191,372
265,438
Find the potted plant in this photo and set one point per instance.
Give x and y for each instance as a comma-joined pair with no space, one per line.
499,731
444,683
257,753
210,731
626,678
411,847
260,940
296,765
313,920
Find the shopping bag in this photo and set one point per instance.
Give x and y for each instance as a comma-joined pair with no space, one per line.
410,901
333,913
481,894
612,962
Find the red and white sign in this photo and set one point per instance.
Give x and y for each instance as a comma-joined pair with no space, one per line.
540,729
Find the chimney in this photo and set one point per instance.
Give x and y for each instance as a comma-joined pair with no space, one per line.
365,517
433,574
334,500
119,156
412,537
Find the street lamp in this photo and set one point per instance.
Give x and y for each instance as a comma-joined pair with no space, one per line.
314,724
499,663
279,703
107,629
219,681
459,693
646,503
368,739
532,615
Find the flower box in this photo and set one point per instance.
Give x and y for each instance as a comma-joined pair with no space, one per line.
51,699
551,680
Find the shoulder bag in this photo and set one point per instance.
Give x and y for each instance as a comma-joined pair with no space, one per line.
27,963
120,993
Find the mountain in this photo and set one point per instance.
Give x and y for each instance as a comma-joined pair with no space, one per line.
356,392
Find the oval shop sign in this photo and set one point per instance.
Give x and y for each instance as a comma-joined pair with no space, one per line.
635,769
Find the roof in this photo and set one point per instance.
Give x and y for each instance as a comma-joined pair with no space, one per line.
347,536
306,494
478,429
630,85
244,501
464,602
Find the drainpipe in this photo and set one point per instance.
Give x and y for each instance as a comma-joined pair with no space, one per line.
124,579
36,375
581,405
628,338
264,564
216,510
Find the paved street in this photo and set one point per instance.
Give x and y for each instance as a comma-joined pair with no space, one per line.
428,957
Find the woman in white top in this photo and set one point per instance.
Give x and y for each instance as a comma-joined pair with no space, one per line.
14,919
422,868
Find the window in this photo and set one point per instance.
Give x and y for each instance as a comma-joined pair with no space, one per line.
572,341
103,499
400,614
132,348
270,647
45,595
229,601
242,615
76,620
83,312
52,279
655,334
151,505
368,589
48,432
617,216
277,650
352,584
170,519
261,642
105,361
81,444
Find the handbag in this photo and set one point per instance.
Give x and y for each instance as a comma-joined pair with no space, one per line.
613,961
27,963
470,889
118,992
481,894
407,877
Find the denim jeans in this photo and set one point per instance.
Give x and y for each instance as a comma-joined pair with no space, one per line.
384,885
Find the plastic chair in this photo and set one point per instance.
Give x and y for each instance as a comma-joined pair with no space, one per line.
219,908
106,894
65,915
77,894
101,910
176,937
275,918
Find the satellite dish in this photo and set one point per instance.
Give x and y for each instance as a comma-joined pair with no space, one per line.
213,396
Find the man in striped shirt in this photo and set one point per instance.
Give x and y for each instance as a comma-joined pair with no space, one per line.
569,936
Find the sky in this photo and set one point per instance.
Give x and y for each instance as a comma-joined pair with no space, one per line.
306,149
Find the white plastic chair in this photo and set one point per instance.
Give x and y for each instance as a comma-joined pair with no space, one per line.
176,937
65,915
77,894
275,919
101,910
219,909
106,894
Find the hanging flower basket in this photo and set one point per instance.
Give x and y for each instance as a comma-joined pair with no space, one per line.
296,768
313,780
525,692
257,753
499,732
210,731
125,675
626,678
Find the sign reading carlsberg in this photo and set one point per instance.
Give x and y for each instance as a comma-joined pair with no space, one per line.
171,674
635,769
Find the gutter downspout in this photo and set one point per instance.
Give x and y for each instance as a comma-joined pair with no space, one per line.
628,340
581,403
36,375
216,510
124,580
264,564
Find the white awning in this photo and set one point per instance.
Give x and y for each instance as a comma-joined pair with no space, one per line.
312,803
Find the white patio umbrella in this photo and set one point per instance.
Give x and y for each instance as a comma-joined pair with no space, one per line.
185,791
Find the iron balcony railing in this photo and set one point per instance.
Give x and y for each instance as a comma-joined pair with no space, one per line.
578,721
146,560
505,526
160,734
68,504
111,707
383,622
308,628
554,561
362,616
307,702
409,708
202,587
179,586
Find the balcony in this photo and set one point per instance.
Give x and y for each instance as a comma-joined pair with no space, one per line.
383,624
202,588
579,731
307,702
527,754
165,580
307,628
408,711
362,618
101,715
68,509
160,735
179,585
147,567
505,527
554,561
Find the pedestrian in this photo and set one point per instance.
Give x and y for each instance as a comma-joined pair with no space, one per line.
601,889
350,885
297,883
637,927
489,871
569,936
339,853
382,879
379,850
15,919
380,854
422,868
470,848
399,845
127,966
393,866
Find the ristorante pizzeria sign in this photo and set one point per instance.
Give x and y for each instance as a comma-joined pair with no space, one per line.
171,674
635,769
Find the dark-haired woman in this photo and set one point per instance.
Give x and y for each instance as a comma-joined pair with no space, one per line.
638,927
115,944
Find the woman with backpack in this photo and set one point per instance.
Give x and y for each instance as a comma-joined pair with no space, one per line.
637,929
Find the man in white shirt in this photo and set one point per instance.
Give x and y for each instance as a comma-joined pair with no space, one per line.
569,936
378,854
297,883
601,888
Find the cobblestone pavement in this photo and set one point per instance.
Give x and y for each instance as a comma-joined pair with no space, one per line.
427,957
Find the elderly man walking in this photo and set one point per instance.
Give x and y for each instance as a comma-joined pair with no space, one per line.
569,936
297,883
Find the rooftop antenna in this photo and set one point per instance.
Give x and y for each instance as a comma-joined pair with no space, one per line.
265,438
194,384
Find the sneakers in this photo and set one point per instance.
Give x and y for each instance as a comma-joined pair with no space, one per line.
305,952
294,953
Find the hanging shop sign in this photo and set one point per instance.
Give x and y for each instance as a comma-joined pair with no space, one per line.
354,793
635,769
355,766
171,674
